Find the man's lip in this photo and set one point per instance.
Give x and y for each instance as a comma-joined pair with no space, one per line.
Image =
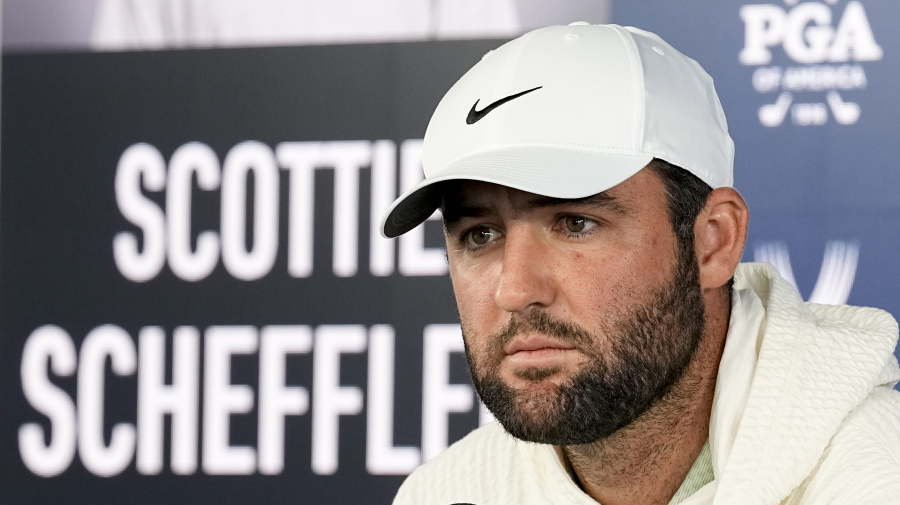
534,343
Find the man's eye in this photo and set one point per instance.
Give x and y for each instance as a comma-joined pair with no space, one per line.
480,236
575,224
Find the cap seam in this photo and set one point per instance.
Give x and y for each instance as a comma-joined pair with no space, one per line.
639,97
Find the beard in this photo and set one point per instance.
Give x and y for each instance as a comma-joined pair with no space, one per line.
648,348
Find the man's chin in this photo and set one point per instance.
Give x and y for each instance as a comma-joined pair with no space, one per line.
542,411
536,417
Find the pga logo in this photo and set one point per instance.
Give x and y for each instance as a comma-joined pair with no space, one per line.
824,46
806,34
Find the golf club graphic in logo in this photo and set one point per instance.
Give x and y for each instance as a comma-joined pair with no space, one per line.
823,46
835,277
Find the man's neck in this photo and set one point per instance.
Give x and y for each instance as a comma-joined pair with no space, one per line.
646,462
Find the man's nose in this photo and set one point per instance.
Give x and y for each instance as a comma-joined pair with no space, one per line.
526,277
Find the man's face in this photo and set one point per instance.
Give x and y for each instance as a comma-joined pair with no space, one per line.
577,314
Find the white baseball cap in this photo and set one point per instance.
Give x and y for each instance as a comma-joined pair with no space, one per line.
568,112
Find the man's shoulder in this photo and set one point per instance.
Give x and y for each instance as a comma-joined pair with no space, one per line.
872,429
860,463
484,466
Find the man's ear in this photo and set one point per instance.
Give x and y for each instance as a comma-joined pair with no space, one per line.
720,233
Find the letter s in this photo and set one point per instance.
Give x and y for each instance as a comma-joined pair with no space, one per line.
140,266
54,344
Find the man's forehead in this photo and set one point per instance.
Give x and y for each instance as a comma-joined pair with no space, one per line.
473,198
637,190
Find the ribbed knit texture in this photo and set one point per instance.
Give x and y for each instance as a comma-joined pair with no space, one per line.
700,474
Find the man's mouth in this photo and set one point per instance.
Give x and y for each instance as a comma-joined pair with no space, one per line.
535,342
536,351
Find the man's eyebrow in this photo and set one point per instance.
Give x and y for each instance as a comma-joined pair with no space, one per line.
455,212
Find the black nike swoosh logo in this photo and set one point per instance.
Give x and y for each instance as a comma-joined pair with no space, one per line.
476,115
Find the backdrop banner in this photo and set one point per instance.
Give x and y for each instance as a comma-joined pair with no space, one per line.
197,306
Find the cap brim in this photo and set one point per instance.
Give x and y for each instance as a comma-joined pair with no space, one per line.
557,172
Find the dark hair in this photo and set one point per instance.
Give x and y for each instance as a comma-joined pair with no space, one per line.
685,196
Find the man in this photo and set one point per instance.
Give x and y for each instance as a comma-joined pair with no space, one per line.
584,174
